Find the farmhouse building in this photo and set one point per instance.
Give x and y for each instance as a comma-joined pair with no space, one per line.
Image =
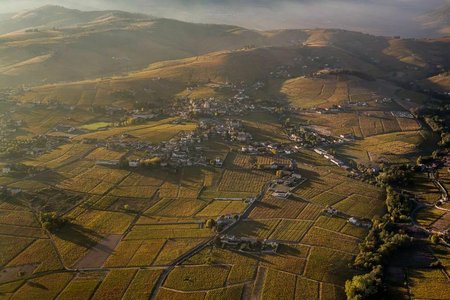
102,162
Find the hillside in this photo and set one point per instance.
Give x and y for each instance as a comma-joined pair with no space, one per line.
387,59
438,19
68,45
51,16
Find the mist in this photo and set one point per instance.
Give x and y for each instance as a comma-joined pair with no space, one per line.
381,17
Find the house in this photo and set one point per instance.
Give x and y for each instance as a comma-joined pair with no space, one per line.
320,151
354,221
6,170
133,163
296,176
103,162
243,137
227,220
143,117
331,211
348,137
218,162
14,191
282,195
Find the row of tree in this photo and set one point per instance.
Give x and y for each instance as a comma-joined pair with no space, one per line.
378,247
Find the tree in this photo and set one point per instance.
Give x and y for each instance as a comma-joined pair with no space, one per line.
52,222
419,160
434,239
366,286
210,223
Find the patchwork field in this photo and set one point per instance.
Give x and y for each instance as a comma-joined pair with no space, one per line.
391,148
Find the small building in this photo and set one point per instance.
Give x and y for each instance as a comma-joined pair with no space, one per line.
218,162
320,151
103,162
6,170
332,211
134,163
354,221
282,195
243,137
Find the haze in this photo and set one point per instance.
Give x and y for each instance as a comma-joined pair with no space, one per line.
383,17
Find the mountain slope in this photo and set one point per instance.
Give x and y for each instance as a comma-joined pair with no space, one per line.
438,19
160,82
113,42
50,16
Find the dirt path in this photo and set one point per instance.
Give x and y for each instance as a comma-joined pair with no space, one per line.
97,255
259,283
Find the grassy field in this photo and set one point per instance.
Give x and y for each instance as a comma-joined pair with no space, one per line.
272,207
65,154
82,286
328,265
279,285
428,283
244,181
42,254
190,278
291,230
142,285
115,284
96,125
45,287
155,131
326,238
174,248
95,180
361,206
135,253
255,228
394,148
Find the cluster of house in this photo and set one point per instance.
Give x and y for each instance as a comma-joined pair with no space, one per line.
308,136
385,100
6,169
402,114
239,104
271,148
332,158
179,151
283,186
228,129
227,220
329,110
8,126
247,244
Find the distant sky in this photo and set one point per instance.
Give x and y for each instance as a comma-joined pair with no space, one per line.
397,17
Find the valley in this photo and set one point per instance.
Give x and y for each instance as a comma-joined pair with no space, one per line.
148,158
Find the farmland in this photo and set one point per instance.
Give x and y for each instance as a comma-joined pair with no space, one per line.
392,147
259,171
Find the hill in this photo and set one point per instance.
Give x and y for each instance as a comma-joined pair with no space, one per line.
51,16
438,19
280,68
68,45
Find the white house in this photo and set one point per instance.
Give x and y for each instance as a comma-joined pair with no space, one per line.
6,170
133,163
